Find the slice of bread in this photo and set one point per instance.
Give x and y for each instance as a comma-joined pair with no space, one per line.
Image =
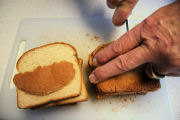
82,97
132,82
44,56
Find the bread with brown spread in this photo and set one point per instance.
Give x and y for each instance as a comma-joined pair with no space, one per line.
49,73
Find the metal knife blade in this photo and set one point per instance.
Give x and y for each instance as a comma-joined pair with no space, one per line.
127,25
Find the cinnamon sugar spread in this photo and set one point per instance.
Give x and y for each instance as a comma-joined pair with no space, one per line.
47,79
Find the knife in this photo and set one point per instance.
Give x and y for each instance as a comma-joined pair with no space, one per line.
127,25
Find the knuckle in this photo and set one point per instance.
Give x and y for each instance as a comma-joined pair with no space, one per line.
155,37
122,64
116,47
151,21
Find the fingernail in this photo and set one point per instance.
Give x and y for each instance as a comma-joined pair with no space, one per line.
93,78
95,63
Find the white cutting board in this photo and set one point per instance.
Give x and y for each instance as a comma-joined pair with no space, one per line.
80,33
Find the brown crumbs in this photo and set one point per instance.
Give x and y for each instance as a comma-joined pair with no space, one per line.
125,99
96,37
87,34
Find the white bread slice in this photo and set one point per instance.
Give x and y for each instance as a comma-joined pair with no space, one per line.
82,97
44,56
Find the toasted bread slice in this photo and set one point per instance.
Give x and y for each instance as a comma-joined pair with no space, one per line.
44,56
132,82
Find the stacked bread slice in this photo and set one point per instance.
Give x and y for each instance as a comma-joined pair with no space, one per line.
55,60
132,82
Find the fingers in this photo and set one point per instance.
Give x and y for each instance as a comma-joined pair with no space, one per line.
121,64
123,11
114,3
176,74
125,43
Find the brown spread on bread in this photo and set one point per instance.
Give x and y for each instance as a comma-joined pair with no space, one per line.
47,79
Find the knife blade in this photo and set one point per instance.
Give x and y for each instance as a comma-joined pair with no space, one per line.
127,25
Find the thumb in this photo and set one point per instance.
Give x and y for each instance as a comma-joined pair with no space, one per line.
123,11
121,64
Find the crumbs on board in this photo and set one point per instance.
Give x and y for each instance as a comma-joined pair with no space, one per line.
87,34
92,38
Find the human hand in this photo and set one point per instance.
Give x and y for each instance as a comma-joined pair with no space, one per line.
156,40
123,10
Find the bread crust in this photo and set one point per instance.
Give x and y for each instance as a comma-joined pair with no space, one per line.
47,101
90,59
51,100
56,103
33,49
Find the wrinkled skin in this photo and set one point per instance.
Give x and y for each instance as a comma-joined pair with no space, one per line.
156,40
